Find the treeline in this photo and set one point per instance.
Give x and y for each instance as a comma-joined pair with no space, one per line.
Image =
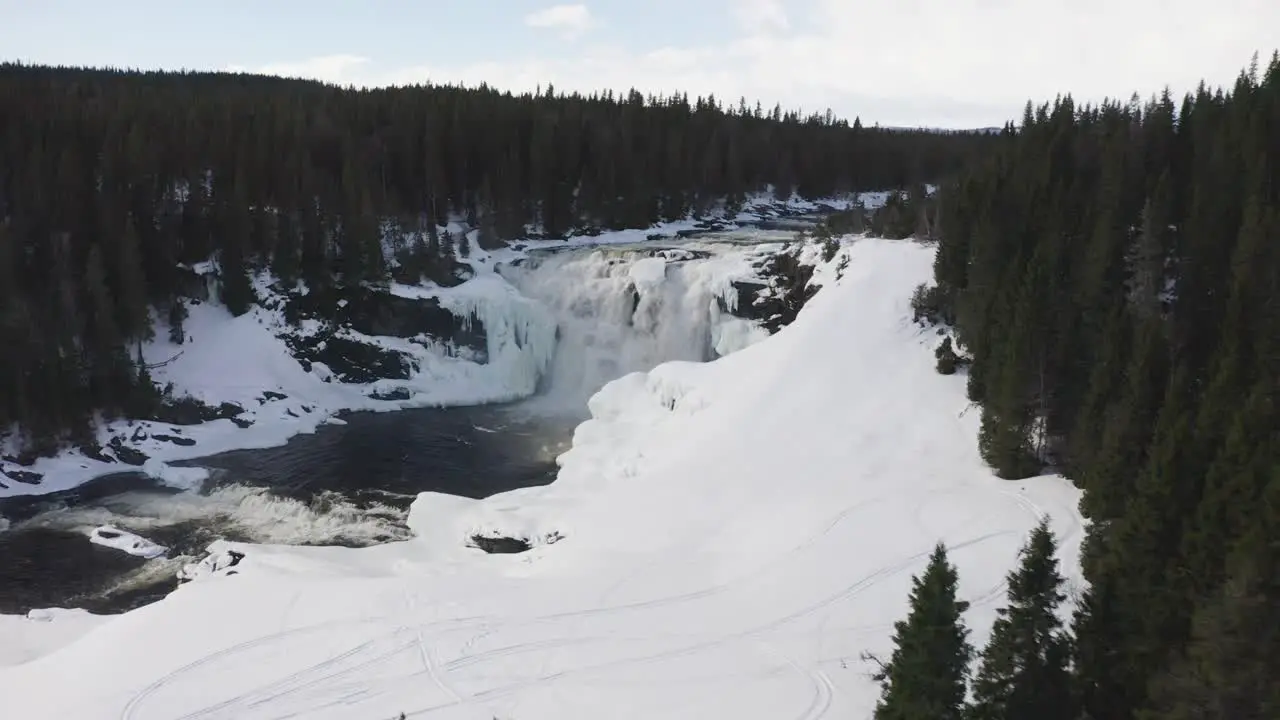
1113,275
111,182
1023,673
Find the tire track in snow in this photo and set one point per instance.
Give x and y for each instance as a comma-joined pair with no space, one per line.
823,691
131,707
849,591
285,686
719,587
274,688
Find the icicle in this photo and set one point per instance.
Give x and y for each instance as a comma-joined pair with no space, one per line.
520,335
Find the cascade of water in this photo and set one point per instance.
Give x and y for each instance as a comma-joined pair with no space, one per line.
624,310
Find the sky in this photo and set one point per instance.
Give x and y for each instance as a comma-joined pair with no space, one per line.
935,63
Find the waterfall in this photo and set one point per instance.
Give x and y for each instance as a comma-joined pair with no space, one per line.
620,311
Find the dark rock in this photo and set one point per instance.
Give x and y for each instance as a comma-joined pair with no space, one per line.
500,545
26,458
23,476
352,361
95,452
291,413
395,394
374,312
127,455
776,302
175,439
270,395
241,423
190,411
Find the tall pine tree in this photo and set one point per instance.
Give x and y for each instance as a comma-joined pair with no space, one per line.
1024,671
926,675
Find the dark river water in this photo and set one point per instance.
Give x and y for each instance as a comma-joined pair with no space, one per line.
346,485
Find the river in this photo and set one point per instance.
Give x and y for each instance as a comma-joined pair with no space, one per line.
344,485
351,484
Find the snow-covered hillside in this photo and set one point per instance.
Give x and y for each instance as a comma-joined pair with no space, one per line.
724,540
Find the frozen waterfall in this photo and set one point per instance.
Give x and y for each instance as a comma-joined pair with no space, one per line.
626,310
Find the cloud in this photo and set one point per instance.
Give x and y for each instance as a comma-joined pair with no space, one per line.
570,20
338,69
949,63
760,16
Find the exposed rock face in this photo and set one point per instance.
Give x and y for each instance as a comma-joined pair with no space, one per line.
374,312
378,312
500,545
777,299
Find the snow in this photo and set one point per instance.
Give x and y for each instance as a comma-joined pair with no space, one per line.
729,539
237,359
124,541
182,478
40,632
623,308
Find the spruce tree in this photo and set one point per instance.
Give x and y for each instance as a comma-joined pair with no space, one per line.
926,675
1024,668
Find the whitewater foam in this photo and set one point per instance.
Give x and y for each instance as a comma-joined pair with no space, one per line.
250,513
621,310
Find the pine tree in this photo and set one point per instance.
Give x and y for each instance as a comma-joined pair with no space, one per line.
926,675
947,358
177,322
1024,668
134,316
233,262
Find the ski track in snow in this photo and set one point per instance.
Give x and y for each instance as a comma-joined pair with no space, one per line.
402,637
722,556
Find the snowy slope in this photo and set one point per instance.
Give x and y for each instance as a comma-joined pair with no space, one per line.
732,536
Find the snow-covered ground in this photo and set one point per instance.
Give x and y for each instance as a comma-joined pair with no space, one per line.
244,360
40,632
729,539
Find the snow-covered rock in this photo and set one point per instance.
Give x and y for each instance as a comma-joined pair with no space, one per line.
125,541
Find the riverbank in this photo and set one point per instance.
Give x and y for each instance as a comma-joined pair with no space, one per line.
260,383
723,539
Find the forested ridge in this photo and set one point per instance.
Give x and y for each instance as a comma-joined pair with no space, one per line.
1112,274
112,181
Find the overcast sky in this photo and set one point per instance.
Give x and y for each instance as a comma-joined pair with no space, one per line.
947,63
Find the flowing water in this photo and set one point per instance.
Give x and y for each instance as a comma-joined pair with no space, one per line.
619,310
345,485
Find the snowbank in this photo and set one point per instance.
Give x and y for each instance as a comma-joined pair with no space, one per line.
733,536
124,541
40,632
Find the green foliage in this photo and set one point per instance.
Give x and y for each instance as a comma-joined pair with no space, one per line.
177,320
927,305
157,170
948,361
1113,271
1023,672
926,675
830,245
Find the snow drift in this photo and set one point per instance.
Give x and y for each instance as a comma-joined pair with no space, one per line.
733,536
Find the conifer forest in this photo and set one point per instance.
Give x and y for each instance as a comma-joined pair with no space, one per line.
113,184
1107,278
1112,275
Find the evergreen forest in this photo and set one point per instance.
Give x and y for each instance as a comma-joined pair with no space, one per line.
1111,274
114,184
